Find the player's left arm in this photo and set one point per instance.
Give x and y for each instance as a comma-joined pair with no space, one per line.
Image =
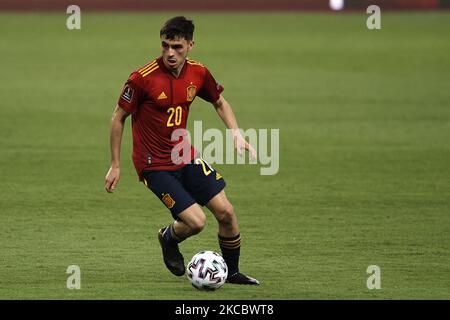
226,113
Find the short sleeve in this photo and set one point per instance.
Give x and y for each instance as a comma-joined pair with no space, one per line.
210,90
132,93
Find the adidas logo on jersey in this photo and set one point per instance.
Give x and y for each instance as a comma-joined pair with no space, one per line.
162,96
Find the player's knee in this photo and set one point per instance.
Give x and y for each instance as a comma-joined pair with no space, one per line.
225,214
198,224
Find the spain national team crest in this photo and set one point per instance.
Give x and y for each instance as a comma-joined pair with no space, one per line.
191,91
168,201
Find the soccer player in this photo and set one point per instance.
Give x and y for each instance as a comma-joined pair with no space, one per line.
158,97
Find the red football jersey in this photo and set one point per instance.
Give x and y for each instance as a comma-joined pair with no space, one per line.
159,104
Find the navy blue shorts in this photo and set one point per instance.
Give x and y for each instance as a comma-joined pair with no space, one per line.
196,182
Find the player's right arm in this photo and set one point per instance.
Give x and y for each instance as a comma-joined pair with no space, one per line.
130,99
115,139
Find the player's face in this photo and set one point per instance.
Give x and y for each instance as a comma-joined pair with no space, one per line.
175,51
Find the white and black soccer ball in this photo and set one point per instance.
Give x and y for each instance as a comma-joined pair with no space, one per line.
207,270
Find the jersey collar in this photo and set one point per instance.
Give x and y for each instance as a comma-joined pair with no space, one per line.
164,68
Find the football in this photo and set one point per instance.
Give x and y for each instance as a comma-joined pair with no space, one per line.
207,270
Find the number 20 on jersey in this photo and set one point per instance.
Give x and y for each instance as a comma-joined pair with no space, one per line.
175,116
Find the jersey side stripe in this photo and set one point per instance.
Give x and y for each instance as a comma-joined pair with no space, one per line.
148,66
149,71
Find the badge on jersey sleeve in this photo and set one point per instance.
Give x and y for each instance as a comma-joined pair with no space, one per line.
127,93
191,90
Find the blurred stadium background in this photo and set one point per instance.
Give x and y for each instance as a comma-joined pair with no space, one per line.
196,5
364,119
223,4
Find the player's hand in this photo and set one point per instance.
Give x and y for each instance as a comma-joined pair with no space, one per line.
112,178
242,145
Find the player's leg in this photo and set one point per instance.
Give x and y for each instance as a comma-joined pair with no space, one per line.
207,185
190,222
229,237
189,217
224,213
187,223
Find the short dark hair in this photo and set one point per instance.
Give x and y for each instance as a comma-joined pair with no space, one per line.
178,27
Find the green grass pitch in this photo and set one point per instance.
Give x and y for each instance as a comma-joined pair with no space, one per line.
364,119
